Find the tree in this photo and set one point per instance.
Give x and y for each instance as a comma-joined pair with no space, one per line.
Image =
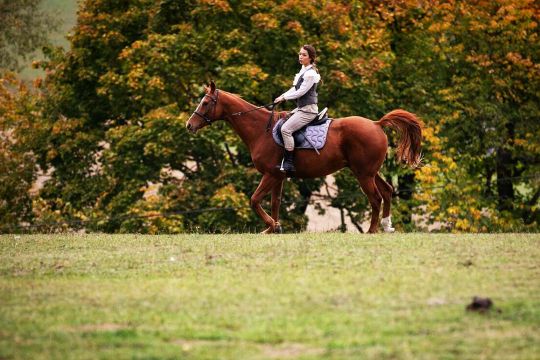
18,112
122,94
116,103
470,70
482,109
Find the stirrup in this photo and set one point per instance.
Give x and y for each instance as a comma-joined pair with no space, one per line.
288,161
283,170
290,171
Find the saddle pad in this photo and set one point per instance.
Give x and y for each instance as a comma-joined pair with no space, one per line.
305,137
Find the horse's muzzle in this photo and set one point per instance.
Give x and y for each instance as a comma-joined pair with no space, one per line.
191,128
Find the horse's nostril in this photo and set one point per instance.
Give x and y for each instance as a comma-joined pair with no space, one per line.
188,126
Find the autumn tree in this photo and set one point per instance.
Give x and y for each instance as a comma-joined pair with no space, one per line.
470,70
24,26
121,97
116,103
18,113
473,67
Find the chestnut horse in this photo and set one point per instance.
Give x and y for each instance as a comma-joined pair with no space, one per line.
354,142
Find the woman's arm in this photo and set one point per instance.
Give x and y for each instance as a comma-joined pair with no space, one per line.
288,92
310,78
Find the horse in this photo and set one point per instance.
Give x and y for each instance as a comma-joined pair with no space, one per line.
354,142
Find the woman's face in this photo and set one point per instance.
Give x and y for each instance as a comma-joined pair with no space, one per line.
303,57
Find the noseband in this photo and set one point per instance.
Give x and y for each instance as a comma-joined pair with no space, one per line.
205,115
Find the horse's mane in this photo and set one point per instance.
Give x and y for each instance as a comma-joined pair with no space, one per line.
249,105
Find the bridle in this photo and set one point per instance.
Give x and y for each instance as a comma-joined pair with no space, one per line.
214,99
204,116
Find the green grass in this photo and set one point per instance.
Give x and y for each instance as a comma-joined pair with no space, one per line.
297,296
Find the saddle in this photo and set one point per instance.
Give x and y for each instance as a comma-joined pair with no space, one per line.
312,136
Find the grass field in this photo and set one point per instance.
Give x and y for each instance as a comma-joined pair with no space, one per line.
297,296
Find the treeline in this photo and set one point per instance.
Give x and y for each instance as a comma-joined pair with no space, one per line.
107,123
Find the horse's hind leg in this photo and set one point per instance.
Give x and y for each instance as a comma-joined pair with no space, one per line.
375,199
386,191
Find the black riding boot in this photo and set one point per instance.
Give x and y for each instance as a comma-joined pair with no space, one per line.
287,164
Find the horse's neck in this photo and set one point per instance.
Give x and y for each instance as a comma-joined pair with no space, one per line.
251,126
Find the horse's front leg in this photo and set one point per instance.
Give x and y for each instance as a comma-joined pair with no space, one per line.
276,202
267,183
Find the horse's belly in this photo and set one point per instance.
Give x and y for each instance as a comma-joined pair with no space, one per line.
309,164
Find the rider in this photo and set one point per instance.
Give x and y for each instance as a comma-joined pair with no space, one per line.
304,90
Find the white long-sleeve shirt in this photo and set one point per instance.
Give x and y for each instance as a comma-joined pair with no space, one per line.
310,77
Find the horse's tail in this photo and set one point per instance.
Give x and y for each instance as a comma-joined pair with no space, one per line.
409,128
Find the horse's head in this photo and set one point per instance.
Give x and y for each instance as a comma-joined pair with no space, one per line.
208,110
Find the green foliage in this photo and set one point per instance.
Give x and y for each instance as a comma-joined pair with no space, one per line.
485,88
110,126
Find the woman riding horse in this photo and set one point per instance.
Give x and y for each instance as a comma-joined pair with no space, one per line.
354,142
304,90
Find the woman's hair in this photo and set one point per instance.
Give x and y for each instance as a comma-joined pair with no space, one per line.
311,52
312,55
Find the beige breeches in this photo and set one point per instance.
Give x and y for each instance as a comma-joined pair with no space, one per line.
298,119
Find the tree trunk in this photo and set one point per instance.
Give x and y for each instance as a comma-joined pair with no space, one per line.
406,189
489,174
343,227
505,187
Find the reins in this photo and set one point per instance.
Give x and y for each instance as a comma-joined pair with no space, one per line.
256,108
272,106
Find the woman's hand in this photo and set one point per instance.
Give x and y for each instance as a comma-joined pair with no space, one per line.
279,99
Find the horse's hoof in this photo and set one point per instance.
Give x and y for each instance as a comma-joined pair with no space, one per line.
278,229
269,230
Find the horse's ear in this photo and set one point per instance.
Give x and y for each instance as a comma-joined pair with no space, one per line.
212,87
